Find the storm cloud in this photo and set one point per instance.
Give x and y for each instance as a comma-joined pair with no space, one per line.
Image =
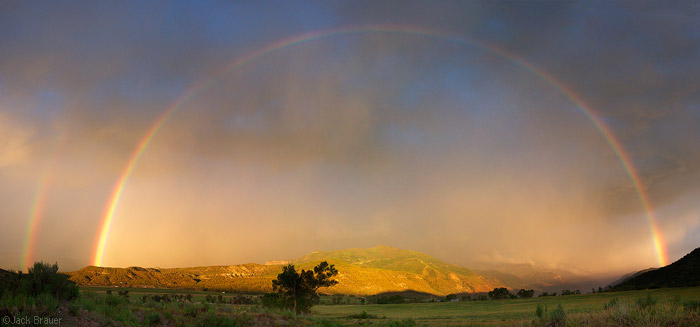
353,139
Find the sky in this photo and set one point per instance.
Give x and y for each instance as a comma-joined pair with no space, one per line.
474,131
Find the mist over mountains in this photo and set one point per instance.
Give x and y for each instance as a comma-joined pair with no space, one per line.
369,271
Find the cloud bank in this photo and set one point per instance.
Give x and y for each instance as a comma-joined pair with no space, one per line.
352,140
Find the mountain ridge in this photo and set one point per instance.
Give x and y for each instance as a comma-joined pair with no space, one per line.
684,272
375,270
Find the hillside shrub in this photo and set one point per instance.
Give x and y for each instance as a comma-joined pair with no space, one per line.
38,292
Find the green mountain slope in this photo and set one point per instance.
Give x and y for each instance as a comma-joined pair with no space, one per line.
387,269
361,271
682,273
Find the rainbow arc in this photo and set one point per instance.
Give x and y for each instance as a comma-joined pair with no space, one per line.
592,116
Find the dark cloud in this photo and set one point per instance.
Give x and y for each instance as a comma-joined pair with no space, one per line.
402,139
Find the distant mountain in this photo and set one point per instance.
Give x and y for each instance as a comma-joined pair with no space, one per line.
682,273
386,269
529,276
380,269
629,276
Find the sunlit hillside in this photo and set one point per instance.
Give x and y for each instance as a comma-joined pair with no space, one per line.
361,271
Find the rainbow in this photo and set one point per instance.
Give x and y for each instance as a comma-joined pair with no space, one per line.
37,210
591,115
35,215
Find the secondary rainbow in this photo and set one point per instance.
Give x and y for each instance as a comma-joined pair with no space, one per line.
35,215
591,115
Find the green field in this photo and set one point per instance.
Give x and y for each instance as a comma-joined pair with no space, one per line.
587,309
499,312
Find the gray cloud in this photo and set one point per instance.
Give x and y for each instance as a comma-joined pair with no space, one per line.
401,139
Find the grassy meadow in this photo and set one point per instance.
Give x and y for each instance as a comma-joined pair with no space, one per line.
509,311
46,294
658,307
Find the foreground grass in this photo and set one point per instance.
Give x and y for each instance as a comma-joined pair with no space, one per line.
94,307
580,310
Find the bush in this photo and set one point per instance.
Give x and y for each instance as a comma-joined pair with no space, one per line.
193,310
557,317
111,306
499,293
363,315
40,291
450,297
523,293
153,319
393,299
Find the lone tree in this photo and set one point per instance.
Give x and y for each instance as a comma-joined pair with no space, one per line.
297,291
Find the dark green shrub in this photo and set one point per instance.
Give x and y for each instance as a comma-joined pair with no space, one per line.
44,278
499,293
523,293
153,319
39,291
557,317
393,299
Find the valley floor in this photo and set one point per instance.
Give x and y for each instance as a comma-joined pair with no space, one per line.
586,309
169,307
